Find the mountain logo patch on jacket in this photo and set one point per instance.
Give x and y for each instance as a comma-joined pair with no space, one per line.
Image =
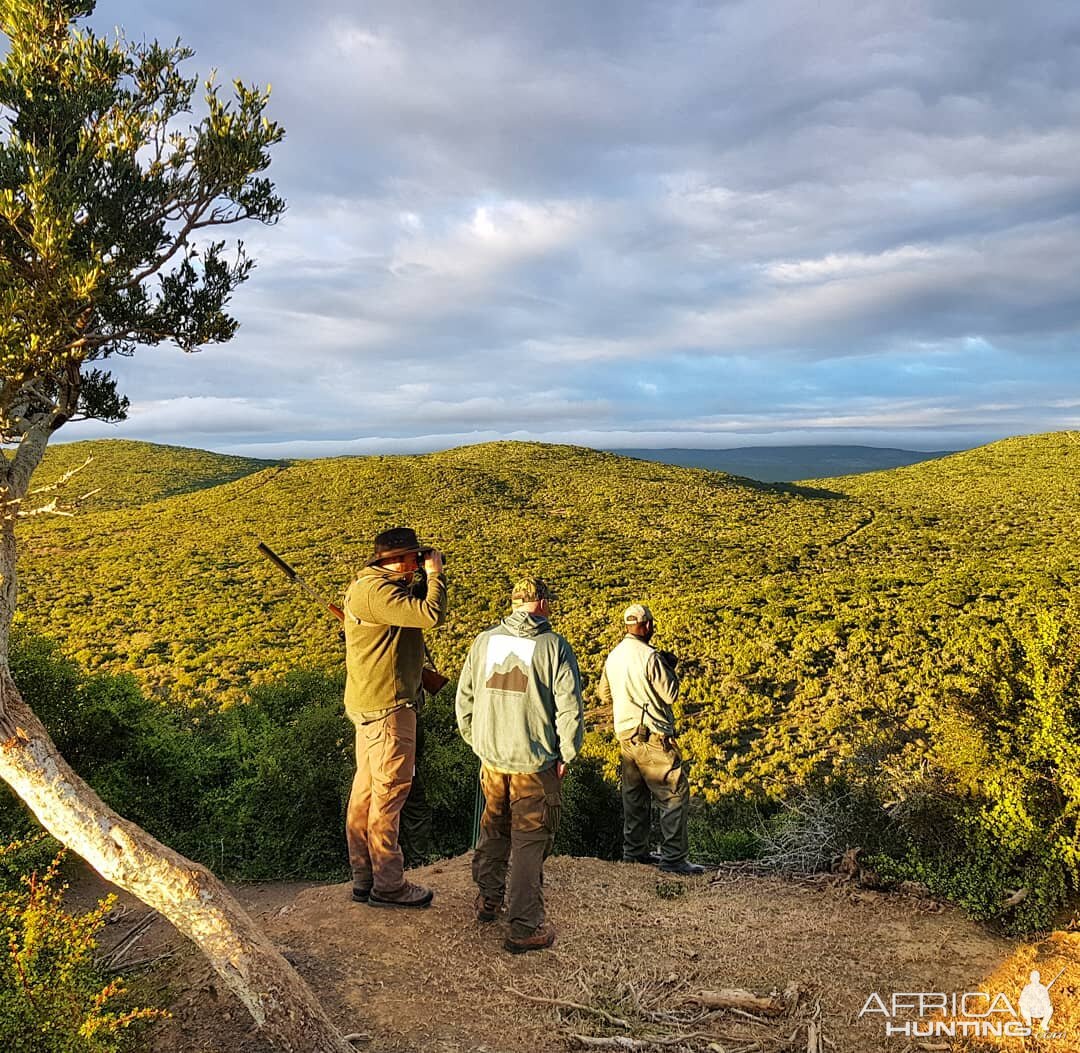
509,659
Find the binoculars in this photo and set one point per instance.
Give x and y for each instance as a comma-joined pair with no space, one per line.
424,553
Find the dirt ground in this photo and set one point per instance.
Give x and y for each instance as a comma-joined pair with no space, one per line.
631,943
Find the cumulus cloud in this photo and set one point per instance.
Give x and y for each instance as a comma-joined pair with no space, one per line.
776,220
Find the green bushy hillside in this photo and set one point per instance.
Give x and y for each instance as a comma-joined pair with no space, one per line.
890,660
816,624
128,474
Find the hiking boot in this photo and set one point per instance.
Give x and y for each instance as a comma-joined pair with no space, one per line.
487,909
409,895
541,938
360,893
650,859
685,868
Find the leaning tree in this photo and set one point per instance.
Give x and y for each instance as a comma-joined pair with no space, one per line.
109,193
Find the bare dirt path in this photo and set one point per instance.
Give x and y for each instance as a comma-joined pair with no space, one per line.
438,981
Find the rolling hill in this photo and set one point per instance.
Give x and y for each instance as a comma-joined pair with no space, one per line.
816,623
127,474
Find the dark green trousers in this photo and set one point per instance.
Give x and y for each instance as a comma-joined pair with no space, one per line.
416,834
652,771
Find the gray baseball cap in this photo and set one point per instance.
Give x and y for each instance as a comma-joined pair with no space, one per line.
636,613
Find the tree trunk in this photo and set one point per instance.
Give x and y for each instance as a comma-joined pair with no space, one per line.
187,894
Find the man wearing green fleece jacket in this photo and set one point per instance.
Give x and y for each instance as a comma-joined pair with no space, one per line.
384,661
519,708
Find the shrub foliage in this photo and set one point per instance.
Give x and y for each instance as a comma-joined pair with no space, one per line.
53,996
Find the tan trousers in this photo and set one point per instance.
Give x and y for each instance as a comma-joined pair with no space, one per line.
521,818
385,757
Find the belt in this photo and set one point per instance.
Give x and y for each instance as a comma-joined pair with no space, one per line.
373,715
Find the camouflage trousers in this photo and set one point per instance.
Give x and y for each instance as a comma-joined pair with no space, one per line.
654,771
518,827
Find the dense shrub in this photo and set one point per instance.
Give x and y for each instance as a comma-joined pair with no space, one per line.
255,790
727,830
451,774
971,784
53,997
995,808
591,820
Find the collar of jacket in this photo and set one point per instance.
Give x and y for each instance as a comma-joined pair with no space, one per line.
402,577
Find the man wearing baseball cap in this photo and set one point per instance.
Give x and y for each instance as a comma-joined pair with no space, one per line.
641,686
519,708
384,661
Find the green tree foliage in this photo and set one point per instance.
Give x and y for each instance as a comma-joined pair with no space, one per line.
103,201
107,198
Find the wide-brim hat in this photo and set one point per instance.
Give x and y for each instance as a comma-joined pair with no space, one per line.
401,541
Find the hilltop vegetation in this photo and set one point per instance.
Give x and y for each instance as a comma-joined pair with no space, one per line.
880,635
803,615
127,474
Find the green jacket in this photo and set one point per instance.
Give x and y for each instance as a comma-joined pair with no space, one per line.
384,639
519,696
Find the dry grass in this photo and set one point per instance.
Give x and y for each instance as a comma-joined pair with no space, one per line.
438,981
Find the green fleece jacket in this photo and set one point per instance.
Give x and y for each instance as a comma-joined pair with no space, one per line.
519,696
384,639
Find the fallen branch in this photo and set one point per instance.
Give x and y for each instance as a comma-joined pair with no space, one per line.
1015,898
615,1042
814,1036
734,998
113,959
626,1042
593,1010
141,963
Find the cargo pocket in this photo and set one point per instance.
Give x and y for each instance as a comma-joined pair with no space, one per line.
552,814
674,762
552,806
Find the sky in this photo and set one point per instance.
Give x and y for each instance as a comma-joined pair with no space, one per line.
640,224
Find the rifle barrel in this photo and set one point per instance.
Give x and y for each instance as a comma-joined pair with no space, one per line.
295,578
278,562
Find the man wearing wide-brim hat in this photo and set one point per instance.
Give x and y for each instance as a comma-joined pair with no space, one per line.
384,661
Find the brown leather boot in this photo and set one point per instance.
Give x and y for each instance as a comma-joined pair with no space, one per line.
487,909
409,895
542,938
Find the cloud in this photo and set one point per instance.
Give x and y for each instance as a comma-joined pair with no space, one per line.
637,214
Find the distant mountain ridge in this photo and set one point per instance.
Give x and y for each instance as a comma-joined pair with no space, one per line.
771,464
